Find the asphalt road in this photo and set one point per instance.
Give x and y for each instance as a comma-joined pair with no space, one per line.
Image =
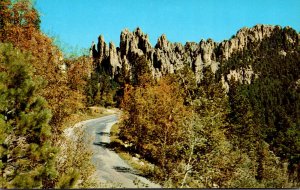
110,168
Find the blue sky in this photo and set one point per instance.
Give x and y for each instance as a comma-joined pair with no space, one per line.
79,22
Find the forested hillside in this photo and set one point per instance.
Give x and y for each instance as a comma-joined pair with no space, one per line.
209,114
272,98
204,114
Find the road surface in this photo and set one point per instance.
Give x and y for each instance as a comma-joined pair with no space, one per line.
110,168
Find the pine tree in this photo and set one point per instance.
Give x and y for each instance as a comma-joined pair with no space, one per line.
27,157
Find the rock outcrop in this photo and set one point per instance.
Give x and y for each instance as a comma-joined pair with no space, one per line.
243,38
167,57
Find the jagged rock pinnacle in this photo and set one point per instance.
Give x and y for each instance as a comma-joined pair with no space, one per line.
167,57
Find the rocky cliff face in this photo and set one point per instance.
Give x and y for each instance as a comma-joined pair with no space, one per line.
167,57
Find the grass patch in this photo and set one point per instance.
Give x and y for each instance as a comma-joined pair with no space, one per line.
114,134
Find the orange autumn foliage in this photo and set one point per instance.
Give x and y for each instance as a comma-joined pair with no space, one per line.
153,121
19,25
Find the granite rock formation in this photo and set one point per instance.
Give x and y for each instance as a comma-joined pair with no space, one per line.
166,57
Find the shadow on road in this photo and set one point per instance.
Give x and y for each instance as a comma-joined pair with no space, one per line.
126,170
103,134
102,144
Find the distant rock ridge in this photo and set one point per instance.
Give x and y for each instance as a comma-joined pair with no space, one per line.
166,57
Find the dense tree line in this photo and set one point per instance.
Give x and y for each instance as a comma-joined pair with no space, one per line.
184,128
273,98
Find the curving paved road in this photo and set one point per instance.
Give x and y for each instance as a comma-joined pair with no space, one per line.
110,168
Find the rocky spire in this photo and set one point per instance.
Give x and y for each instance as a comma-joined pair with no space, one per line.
114,58
167,57
102,49
163,43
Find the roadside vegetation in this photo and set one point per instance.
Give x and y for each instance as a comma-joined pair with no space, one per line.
40,95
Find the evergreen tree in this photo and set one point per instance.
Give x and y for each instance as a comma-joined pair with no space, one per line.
27,157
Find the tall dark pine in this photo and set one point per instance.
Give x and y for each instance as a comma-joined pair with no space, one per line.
27,157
